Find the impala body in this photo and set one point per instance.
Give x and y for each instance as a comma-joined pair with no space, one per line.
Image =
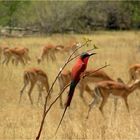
17,54
49,52
34,76
105,89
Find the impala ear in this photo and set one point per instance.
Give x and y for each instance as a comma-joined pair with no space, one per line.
120,80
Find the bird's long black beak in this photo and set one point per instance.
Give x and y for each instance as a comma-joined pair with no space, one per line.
92,54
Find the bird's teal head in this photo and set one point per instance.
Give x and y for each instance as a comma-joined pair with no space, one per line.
85,56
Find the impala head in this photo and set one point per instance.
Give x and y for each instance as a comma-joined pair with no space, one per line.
120,80
85,56
38,60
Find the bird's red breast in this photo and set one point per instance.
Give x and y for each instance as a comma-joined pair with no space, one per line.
77,69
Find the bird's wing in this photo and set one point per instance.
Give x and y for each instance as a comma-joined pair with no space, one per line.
77,70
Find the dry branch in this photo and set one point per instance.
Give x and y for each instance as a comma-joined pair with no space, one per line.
45,105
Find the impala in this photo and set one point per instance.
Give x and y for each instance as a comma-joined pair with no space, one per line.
105,89
49,52
34,76
91,77
16,55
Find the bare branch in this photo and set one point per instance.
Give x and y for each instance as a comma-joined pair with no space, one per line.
106,65
45,105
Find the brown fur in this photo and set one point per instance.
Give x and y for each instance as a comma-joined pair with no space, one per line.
104,89
33,76
17,54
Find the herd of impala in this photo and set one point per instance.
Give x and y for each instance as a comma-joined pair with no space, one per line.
104,85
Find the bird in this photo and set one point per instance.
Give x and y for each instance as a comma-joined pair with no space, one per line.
76,74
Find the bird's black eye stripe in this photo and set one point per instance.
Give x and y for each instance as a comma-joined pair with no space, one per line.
84,56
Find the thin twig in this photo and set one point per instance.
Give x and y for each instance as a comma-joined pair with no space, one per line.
106,65
45,105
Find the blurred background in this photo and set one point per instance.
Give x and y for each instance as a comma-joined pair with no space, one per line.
47,17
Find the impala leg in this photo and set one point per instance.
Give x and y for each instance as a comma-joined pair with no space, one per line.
115,105
61,101
15,61
51,55
6,60
89,90
47,87
40,88
22,90
61,86
104,100
27,58
126,103
22,61
30,91
47,56
82,88
54,56
92,104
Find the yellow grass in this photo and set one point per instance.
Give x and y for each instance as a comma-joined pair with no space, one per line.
21,121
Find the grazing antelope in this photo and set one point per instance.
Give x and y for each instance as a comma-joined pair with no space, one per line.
105,89
134,72
16,55
49,52
91,77
34,76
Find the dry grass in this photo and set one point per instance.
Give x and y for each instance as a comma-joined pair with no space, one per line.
21,121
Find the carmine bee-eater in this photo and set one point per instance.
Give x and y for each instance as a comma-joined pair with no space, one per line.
77,70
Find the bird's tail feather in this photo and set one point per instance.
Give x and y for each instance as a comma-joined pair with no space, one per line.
71,92
61,120
70,95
